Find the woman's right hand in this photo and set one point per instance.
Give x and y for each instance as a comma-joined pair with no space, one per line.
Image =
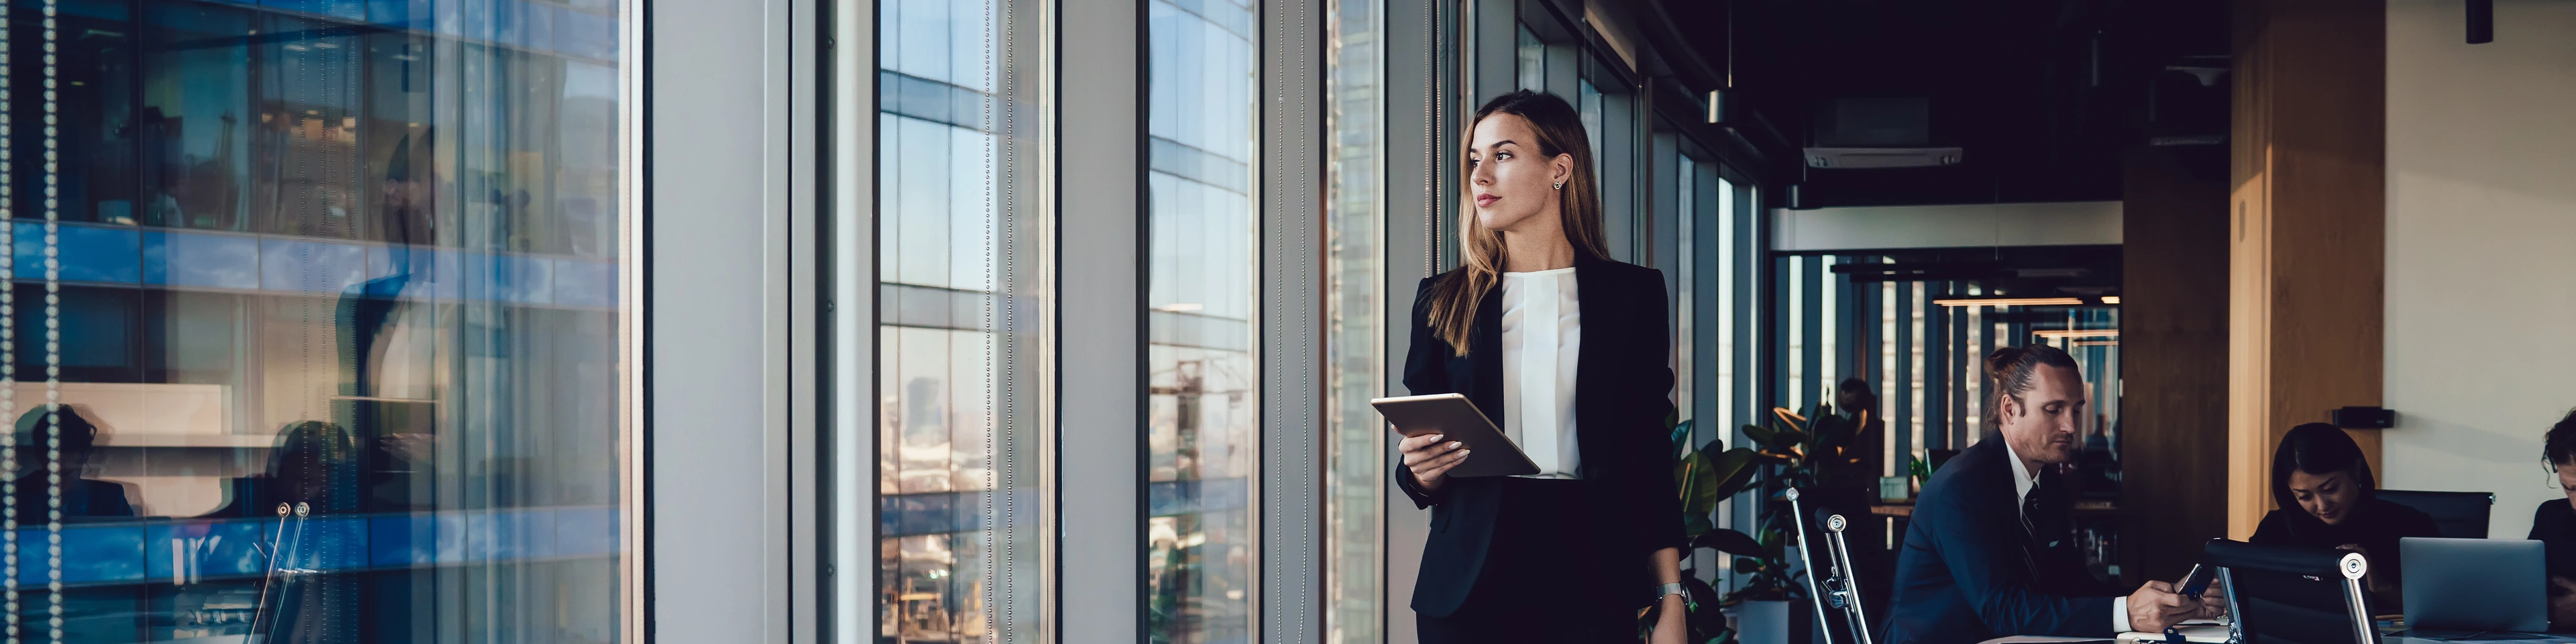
1430,459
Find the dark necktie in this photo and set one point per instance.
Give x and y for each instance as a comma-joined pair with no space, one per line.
2040,514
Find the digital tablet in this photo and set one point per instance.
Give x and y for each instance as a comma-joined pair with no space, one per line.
1453,416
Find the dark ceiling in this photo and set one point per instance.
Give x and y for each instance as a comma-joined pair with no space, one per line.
2046,96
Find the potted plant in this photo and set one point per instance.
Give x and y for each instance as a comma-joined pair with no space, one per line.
1813,452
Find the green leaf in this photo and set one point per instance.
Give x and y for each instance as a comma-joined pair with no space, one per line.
1681,437
1697,525
1760,435
1748,565
1789,418
1789,439
1727,541
1691,473
1729,473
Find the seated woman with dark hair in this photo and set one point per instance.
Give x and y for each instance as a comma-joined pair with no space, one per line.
2554,524
2326,500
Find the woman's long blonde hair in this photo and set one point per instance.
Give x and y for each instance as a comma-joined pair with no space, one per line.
1480,251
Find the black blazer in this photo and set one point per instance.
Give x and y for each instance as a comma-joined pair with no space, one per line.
1623,382
2554,525
1969,572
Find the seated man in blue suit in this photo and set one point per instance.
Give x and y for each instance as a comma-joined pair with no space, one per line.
1990,552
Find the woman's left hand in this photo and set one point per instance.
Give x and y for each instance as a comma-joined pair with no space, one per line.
1672,624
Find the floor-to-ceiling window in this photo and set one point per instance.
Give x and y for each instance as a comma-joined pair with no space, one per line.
1908,333
313,322
1742,332
1355,308
1201,417
963,343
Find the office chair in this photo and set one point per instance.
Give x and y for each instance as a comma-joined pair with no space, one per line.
2456,515
1841,588
2284,595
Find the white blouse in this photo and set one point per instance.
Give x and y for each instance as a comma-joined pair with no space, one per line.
1542,337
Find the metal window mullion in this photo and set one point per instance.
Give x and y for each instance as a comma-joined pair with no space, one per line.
1100,282
848,592
718,363
1418,127
1291,503
797,157
1817,393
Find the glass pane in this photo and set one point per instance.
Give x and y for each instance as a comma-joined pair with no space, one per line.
1202,418
321,307
1354,307
1531,65
962,336
1587,104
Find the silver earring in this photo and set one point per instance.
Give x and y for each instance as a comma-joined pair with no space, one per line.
1560,185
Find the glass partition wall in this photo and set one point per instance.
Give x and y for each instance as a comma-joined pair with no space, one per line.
1915,348
314,329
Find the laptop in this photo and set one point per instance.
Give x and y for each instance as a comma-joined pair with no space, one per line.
2475,585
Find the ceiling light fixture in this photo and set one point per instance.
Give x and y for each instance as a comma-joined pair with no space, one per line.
2077,333
2110,299
2012,301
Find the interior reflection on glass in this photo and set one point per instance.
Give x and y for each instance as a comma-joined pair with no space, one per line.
333,290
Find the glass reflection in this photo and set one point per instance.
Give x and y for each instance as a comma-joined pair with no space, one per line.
311,327
963,369
1201,413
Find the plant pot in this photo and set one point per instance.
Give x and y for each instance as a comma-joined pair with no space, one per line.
1774,622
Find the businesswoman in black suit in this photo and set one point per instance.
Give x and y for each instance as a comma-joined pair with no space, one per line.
1568,351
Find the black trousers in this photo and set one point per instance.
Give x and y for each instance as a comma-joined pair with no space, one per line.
1551,574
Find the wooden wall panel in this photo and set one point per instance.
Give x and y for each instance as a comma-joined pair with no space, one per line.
2306,264
2173,340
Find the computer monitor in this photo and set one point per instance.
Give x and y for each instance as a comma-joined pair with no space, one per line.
2287,595
2475,584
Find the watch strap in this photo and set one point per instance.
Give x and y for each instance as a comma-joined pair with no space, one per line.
1666,590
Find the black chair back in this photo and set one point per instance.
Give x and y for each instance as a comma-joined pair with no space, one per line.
2457,515
2283,595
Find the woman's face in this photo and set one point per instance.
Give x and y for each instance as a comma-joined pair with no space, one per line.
1512,185
2567,480
2328,497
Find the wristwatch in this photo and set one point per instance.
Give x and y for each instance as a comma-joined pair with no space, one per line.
1667,590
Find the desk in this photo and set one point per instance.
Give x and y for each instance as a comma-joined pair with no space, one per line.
2515,638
